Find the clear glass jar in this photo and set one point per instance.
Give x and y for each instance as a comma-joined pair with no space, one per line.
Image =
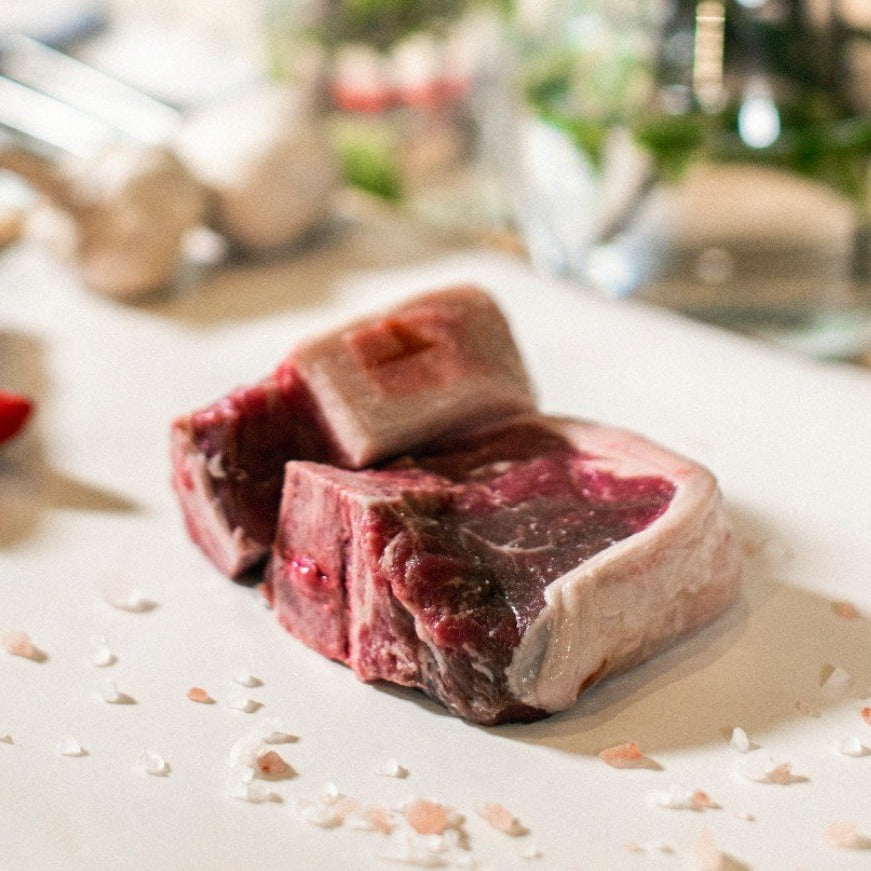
709,156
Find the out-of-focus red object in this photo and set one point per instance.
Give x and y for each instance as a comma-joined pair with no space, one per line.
15,409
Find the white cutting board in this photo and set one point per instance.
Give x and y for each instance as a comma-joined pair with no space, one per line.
85,495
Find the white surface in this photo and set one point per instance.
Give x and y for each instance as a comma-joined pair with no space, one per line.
85,494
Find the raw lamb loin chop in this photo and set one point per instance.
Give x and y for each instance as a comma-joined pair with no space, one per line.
439,363
508,571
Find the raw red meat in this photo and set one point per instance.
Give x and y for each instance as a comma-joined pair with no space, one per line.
506,572
439,363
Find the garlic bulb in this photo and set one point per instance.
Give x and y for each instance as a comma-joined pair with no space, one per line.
268,170
127,210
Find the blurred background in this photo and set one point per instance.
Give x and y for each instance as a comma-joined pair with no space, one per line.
708,156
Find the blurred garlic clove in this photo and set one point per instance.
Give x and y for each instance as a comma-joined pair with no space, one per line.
268,169
126,213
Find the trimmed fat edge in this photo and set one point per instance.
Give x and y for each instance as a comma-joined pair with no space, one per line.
572,641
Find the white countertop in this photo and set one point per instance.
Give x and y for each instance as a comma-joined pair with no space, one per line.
85,495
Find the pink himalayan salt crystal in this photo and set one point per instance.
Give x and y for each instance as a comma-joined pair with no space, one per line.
198,694
759,767
701,801
428,817
380,819
846,610
806,709
20,644
845,835
272,764
499,817
866,715
622,755
708,857
680,798
373,818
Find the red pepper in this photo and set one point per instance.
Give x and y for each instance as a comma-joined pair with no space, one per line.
14,411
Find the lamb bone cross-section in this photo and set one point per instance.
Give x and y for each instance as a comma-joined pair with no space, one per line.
436,364
503,573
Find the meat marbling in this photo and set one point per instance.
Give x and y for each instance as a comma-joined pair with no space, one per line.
438,363
506,572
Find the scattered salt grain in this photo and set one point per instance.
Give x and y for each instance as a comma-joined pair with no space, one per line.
846,610
649,847
270,731
836,682
110,693
241,785
272,765
101,655
680,798
391,768
531,852
329,810
68,746
408,851
199,695
759,767
746,816
806,709
20,644
622,755
119,594
6,739
499,817
846,836
246,679
707,855
850,745
153,763
244,704
740,741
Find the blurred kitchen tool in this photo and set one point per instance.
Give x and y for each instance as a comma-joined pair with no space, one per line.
267,172
55,22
